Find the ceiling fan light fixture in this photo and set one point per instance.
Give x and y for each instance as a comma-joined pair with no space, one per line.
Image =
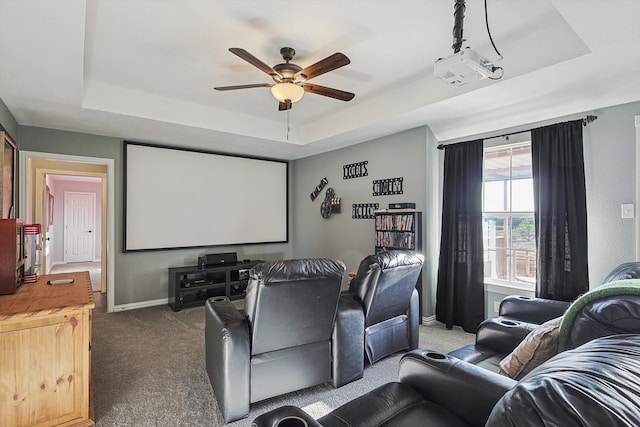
287,91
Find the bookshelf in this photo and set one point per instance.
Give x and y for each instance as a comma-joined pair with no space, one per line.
398,229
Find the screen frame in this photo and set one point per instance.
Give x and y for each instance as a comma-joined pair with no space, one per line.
127,143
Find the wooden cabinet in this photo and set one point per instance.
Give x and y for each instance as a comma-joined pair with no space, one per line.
45,358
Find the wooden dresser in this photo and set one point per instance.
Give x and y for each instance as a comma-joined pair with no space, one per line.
45,357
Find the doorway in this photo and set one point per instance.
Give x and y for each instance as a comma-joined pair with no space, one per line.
40,203
72,239
79,223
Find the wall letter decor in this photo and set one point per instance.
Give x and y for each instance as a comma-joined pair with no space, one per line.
385,187
318,188
355,170
363,210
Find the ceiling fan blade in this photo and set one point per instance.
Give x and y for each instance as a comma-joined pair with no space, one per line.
253,61
327,91
283,106
325,65
243,86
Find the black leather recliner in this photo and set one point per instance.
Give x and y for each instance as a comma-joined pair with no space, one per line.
611,308
282,341
497,337
577,387
385,288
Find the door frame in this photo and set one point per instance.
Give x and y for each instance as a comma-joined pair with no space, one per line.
66,242
31,184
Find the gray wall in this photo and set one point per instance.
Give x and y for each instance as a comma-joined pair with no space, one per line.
609,146
139,276
340,236
610,169
609,149
610,175
8,123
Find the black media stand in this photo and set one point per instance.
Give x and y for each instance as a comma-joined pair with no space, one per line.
191,286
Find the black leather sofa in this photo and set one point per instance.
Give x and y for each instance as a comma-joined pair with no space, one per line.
287,338
596,384
612,308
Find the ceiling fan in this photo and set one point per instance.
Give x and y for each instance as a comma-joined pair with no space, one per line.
291,79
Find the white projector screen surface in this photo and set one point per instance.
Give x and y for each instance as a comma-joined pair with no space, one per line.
177,198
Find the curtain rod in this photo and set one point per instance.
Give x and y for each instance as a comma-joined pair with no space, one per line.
585,121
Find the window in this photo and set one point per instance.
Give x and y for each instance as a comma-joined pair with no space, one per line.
507,213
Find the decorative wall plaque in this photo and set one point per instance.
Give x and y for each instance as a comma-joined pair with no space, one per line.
355,170
388,186
318,188
364,210
330,204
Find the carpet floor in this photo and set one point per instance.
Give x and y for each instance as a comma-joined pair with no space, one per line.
148,369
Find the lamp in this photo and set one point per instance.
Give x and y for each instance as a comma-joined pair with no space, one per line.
287,91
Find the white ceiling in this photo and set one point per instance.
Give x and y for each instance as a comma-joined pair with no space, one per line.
144,70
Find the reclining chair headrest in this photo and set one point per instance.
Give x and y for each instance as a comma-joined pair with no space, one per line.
390,259
297,269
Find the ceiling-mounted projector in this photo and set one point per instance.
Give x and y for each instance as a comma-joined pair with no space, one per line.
464,67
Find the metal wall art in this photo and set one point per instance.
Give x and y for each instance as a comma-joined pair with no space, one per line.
318,188
355,170
330,204
364,210
388,186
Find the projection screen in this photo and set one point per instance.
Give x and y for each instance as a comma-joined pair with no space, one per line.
179,198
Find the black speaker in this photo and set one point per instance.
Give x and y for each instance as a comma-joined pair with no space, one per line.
217,259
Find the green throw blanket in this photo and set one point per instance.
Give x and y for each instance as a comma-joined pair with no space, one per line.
619,287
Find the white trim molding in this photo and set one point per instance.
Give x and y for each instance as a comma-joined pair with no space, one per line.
141,304
637,219
429,320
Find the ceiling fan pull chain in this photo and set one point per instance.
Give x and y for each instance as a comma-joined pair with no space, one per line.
288,123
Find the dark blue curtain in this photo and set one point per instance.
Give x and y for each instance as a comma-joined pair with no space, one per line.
460,289
560,211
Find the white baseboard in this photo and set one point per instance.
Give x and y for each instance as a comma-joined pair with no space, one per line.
141,304
429,320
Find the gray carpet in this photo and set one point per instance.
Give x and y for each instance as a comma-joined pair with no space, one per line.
149,370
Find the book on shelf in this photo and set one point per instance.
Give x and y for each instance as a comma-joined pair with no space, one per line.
393,239
394,222
395,210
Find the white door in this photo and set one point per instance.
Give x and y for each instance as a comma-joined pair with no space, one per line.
79,224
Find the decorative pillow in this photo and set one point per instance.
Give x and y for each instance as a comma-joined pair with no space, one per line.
539,346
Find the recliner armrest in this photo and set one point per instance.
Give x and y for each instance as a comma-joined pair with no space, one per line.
414,320
276,416
503,335
468,391
531,310
347,341
228,355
